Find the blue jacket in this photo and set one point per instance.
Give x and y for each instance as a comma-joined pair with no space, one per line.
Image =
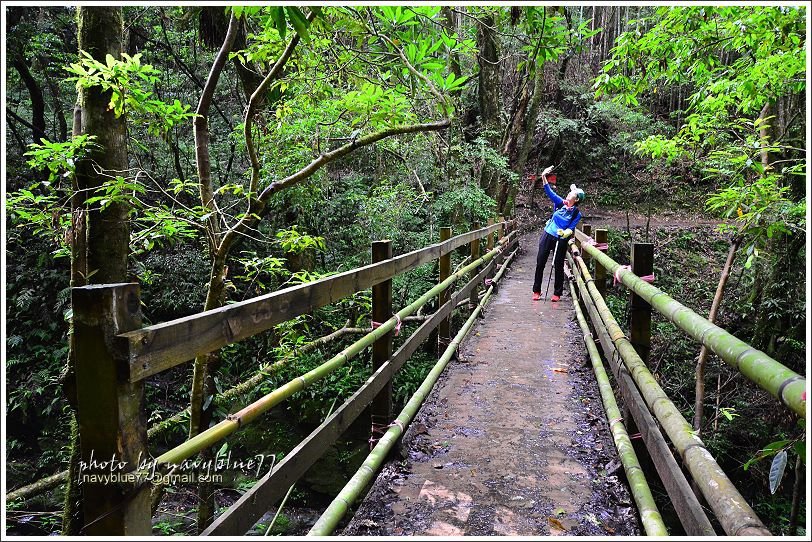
562,216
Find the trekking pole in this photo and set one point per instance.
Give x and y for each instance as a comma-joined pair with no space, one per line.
552,265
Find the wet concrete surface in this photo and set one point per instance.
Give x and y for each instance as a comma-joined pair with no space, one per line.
513,439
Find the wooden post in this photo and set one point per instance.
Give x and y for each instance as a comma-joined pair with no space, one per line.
490,236
382,348
444,329
587,229
474,300
601,236
640,326
111,416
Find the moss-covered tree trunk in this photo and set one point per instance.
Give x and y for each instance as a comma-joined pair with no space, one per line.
506,204
99,238
488,97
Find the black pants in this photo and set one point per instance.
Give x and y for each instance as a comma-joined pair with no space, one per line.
546,244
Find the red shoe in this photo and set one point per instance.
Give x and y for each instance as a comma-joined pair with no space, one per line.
536,296
555,298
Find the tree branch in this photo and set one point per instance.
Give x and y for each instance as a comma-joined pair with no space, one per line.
201,129
257,206
256,98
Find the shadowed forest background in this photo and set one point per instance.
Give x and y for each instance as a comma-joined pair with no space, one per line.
213,174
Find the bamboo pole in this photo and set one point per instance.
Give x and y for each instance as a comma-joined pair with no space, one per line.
40,486
239,517
780,381
601,236
649,514
735,515
684,501
56,480
248,414
337,509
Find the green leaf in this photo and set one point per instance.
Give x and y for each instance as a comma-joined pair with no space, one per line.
278,16
777,470
299,22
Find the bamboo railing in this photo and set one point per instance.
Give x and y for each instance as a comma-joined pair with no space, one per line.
115,355
781,382
649,514
642,392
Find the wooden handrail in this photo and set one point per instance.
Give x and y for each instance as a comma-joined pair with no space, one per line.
156,348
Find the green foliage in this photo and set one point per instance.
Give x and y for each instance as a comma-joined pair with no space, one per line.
127,81
295,242
469,202
683,43
410,377
760,211
59,158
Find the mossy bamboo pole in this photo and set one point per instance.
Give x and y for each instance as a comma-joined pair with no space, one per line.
780,381
222,399
337,509
248,414
683,499
735,515
649,514
40,486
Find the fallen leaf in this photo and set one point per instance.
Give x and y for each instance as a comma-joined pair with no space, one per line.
560,370
557,524
559,511
608,529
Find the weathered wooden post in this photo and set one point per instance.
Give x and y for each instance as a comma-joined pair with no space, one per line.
601,237
111,416
474,300
640,325
444,329
381,411
587,229
501,232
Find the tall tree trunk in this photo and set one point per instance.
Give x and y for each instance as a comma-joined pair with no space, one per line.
213,29
100,238
56,102
506,205
488,59
202,379
37,101
100,34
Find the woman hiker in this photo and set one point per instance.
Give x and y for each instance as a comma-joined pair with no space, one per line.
556,232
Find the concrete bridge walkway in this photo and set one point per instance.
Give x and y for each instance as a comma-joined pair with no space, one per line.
513,440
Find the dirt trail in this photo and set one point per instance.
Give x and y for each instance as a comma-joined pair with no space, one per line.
513,439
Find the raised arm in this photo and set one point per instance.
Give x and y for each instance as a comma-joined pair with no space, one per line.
557,200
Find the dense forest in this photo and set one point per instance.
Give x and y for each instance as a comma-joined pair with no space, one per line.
214,154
